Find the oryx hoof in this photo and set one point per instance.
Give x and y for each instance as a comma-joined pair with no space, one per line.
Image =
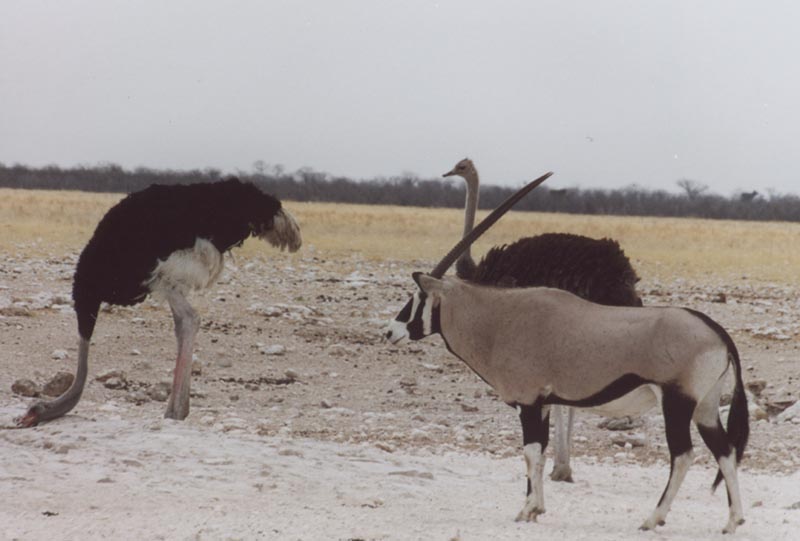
650,524
732,524
561,472
529,515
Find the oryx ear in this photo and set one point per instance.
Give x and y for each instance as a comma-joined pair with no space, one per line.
428,283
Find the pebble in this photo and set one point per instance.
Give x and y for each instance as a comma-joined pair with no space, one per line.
789,414
138,397
58,384
629,440
340,350
108,374
291,374
625,423
160,391
275,349
25,387
59,354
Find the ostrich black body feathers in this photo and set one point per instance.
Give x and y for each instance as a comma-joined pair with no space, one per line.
147,226
597,270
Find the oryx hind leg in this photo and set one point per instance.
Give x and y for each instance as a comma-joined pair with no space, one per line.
678,411
562,471
709,425
535,434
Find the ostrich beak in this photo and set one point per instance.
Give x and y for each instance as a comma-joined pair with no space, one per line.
450,173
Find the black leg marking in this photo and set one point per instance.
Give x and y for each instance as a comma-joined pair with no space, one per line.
678,410
535,421
534,428
716,439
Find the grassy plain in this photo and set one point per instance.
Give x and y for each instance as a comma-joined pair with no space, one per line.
49,223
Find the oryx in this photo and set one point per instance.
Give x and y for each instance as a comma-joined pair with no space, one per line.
540,346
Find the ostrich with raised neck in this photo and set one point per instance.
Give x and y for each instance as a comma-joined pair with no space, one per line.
596,270
167,240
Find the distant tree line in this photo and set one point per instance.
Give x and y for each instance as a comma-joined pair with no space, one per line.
406,189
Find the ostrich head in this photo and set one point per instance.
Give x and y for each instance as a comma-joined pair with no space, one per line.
465,169
265,217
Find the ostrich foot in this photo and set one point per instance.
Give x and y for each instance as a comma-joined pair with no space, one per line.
177,410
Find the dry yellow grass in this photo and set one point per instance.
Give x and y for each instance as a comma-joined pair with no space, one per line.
52,222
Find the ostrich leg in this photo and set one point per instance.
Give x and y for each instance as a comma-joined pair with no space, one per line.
187,323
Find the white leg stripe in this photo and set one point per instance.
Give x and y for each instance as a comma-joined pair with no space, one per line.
427,316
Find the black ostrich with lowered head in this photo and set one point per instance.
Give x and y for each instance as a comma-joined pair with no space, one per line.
167,240
596,269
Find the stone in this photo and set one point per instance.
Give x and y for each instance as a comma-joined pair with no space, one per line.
273,350
138,397
108,374
58,384
160,391
756,386
629,441
59,354
115,383
624,423
340,350
789,413
25,387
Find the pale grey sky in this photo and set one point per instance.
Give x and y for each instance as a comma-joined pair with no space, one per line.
604,93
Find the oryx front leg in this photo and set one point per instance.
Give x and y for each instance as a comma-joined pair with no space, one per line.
535,433
562,471
678,411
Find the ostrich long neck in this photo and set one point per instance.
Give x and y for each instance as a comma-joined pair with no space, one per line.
465,265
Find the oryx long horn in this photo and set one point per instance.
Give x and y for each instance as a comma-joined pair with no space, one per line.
481,228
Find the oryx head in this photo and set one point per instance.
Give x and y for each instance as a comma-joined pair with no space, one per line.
420,316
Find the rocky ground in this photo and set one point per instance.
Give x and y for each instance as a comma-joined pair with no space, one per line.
291,348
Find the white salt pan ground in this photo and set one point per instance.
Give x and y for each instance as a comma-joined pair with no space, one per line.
121,479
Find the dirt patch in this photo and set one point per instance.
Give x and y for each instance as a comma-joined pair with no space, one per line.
296,349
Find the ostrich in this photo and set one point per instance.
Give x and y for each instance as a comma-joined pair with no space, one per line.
596,270
166,240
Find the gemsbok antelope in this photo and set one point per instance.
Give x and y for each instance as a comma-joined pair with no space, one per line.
541,346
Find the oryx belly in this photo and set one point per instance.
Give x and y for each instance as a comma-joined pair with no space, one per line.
634,404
